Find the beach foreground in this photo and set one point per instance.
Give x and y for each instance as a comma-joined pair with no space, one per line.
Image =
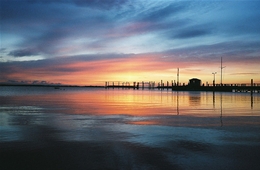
81,128
149,148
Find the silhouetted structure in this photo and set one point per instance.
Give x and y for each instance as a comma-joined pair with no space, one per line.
194,82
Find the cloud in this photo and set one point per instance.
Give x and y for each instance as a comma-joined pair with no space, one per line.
54,26
23,52
100,4
246,74
76,36
163,13
233,52
2,50
191,33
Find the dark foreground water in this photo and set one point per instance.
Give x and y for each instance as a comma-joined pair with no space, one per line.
96,128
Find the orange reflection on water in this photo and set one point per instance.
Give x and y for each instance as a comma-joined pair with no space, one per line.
148,122
141,102
114,102
155,102
140,107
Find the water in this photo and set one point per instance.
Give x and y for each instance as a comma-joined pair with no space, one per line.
97,128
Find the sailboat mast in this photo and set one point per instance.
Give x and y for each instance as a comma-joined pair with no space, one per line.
221,71
178,77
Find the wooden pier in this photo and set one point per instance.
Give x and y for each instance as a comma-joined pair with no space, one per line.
254,88
220,87
224,88
134,85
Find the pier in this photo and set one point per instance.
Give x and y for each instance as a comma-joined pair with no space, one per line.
128,85
223,88
253,87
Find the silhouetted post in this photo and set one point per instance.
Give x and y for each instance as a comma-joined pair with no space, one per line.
251,92
134,85
214,74
137,86
221,67
167,85
178,71
252,84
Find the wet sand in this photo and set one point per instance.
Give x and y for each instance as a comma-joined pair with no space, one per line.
46,152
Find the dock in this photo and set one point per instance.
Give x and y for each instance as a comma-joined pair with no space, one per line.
254,88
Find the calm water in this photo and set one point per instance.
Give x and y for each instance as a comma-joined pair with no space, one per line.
128,129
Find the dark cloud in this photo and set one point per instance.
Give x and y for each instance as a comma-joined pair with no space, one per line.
161,14
58,64
191,33
101,4
49,26
233,52
23,53
2,49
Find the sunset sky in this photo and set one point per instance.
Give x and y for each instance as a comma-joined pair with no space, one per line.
88,42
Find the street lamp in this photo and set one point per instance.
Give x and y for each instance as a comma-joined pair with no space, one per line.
214,78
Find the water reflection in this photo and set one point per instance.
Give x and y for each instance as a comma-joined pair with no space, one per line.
221,121
148,104
252,100
129,129
213,99
194,98
178,113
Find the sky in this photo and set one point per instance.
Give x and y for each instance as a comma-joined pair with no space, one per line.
89,42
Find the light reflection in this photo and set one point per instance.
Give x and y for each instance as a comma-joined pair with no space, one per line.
178,112
194,99
135,103
252,100
213,96
221,121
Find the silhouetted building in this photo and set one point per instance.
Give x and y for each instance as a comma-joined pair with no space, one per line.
194,82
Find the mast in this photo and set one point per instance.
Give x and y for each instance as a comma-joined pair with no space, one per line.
178,77
221,67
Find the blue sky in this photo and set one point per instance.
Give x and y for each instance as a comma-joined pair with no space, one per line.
41,39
